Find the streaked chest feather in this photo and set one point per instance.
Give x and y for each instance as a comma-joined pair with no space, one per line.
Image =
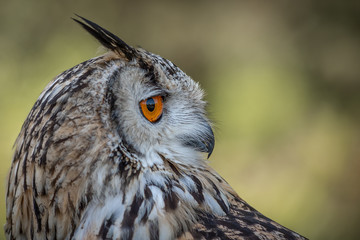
154,204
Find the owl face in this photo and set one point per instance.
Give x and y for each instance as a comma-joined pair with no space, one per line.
158,110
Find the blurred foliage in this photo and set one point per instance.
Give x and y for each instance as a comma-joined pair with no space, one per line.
282,82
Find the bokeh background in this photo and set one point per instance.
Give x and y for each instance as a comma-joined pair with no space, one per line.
282,81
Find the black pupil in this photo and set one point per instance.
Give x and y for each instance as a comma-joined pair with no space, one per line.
150,104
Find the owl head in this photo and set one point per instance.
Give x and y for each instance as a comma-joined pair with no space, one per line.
157,110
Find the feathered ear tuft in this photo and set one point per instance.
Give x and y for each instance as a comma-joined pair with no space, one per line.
106,38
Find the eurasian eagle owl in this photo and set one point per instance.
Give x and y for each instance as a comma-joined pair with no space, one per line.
116,148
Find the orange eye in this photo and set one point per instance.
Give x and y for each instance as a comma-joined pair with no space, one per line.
152,108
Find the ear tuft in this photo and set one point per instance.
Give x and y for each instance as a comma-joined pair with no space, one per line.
106,38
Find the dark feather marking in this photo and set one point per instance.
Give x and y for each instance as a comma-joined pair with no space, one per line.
151,74
51,103
171,200
214,175
87,197
21,227
56,209
212,224
37,214
110,96
55,231
267,224
105,227
16,174
32,229
34,183
47,229
55,182
148,205
74,71
169,68
123,171
129,147
24,170
198,193
218,196
71,204
154,229
147,193
61,140
145,217
212,231
179,186
83,203
74,86
245,206
108,178
131,214
172,166
52,201
71,88
73,225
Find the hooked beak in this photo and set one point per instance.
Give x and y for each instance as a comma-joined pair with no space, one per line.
203,143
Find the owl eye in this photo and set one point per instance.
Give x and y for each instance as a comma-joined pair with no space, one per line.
152,108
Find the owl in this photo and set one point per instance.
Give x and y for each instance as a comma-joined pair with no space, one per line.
116,148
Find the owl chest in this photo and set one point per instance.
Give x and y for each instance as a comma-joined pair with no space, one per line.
146,209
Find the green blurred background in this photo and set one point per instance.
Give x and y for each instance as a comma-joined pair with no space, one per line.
282,81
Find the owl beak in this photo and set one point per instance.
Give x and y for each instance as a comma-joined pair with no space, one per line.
204,143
